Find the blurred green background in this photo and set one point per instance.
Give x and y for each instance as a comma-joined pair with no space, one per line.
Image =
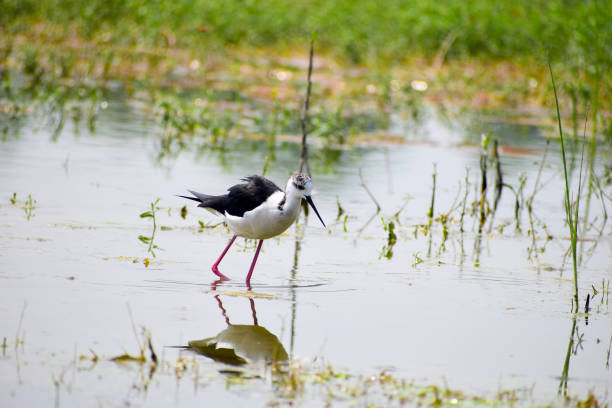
360,31
473,53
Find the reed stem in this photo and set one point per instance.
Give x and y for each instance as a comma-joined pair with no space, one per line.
568,209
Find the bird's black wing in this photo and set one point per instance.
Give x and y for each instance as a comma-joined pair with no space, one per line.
247,196
240,198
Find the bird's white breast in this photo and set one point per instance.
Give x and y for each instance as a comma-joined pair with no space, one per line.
266,220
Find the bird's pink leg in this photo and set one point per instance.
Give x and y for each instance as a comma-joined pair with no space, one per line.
248,279
214,267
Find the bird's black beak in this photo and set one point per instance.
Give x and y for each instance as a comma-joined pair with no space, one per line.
309,199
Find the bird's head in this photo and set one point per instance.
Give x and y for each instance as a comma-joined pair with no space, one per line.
301,185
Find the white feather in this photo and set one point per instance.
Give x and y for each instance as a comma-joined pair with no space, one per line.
267,220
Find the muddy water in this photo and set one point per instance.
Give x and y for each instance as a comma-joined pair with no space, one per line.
478,318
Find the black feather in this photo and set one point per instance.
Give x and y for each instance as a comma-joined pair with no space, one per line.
189,198
240,198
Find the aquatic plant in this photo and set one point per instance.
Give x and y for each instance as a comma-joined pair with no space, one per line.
150,240
184,212
464,200
29,206
387,249
430,212
570,212
566,363
483,204
417,259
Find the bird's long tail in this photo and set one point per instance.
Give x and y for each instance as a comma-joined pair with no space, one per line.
217,203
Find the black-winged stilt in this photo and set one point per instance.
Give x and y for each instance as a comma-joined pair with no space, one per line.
258,209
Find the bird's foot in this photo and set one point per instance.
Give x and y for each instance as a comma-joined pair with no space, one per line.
219,274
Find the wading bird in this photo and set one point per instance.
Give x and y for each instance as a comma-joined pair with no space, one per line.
258,209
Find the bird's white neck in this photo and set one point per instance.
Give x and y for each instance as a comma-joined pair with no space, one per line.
292,202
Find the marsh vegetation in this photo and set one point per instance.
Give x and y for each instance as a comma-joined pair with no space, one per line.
461,157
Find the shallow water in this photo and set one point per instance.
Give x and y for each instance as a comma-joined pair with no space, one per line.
69,272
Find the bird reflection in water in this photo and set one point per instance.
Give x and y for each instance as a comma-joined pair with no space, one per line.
241,344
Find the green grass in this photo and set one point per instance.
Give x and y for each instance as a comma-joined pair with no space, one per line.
360,30
466,47
53,50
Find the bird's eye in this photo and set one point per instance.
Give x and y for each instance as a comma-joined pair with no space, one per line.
299,187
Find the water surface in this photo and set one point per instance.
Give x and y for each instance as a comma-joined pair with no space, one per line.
479,318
